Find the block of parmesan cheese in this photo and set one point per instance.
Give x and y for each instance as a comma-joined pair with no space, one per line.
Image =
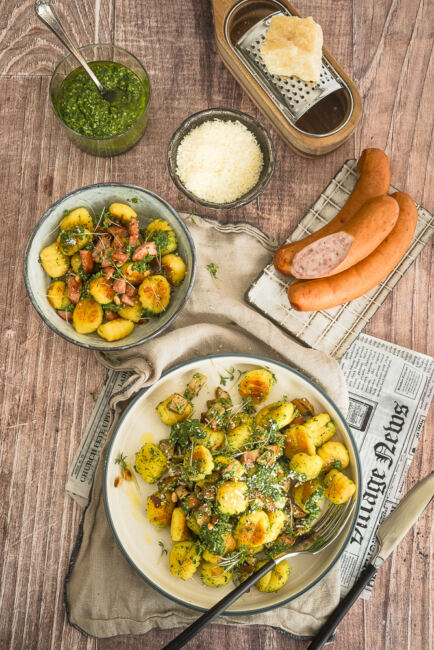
293,47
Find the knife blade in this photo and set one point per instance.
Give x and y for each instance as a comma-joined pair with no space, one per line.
389,534
399,522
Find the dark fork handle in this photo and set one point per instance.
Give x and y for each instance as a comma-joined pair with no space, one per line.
342,609
218,608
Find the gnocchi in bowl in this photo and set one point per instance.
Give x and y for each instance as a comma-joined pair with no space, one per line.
109,266
220,465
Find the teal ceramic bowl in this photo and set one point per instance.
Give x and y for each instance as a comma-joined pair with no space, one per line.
95,197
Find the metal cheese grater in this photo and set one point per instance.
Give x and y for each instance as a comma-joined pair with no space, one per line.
291,95
312,119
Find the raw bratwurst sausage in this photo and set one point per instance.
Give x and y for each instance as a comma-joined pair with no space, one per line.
324,293
374,179
357,239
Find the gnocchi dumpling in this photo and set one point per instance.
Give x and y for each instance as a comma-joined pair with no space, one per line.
281,412
77,217
57,295
252,529
214,575
160,232
306,467
87,316
275,579
338,487
334,454
174,267
232,497
174,408
53,261
179,531
184,560
116,329
256,384
123,212
159,508
151,463
154,294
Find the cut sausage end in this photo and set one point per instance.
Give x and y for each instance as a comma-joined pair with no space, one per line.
322,256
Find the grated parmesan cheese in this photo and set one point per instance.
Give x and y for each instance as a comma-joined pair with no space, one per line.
219,161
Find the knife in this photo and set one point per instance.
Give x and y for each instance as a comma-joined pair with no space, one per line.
389,534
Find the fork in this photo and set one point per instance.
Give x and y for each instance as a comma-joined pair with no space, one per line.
324,532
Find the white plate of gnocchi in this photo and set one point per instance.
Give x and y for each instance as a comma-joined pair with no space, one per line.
220,465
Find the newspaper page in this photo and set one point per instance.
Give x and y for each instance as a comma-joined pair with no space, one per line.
390,393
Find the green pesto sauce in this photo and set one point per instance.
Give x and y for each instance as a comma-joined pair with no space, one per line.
82,109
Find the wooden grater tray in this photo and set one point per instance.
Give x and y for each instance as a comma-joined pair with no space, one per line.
312,120
332,330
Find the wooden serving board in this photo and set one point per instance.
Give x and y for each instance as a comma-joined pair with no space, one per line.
332,330
254,10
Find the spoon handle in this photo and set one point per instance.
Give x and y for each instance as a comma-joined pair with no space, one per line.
46,13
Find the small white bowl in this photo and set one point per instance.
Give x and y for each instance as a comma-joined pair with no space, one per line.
95,197
140,541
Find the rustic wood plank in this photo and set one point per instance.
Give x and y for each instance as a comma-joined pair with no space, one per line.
45,398
27,47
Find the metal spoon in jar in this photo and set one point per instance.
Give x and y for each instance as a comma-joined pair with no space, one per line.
46,13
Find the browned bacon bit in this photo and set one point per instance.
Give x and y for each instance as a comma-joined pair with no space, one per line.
119,285
108,272
174,497
275,449
148,248
118,481
74,288
134,232
110,315
106,261
130,290
181,491
86,261
297,512
120,257
298,420
103,243
192,502
202,518
269,504
156,500
177,404
142,321
118,243
286,540
127,300
118,231
249,456
66,315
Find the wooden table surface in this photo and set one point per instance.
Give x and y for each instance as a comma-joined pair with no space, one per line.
47,385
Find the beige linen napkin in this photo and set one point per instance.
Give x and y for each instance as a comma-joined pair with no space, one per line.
104,596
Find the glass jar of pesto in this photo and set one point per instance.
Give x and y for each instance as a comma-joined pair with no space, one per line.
94,125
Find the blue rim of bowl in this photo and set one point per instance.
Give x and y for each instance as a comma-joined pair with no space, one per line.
208,204
244,357
161,329
109,137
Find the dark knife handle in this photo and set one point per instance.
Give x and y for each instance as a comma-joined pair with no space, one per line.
342,609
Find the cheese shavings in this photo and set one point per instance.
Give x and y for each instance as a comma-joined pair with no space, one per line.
219,161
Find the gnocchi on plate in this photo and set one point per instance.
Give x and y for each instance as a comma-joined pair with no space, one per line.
240,482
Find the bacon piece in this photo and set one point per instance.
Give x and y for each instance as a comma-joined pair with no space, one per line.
118,231
120,257
134,232
130,290
249,456
192,501
148,248
108,271
127,300
118,244
177,404
119,285
74,288
86,261
110,315
105,260
66,315
104,243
